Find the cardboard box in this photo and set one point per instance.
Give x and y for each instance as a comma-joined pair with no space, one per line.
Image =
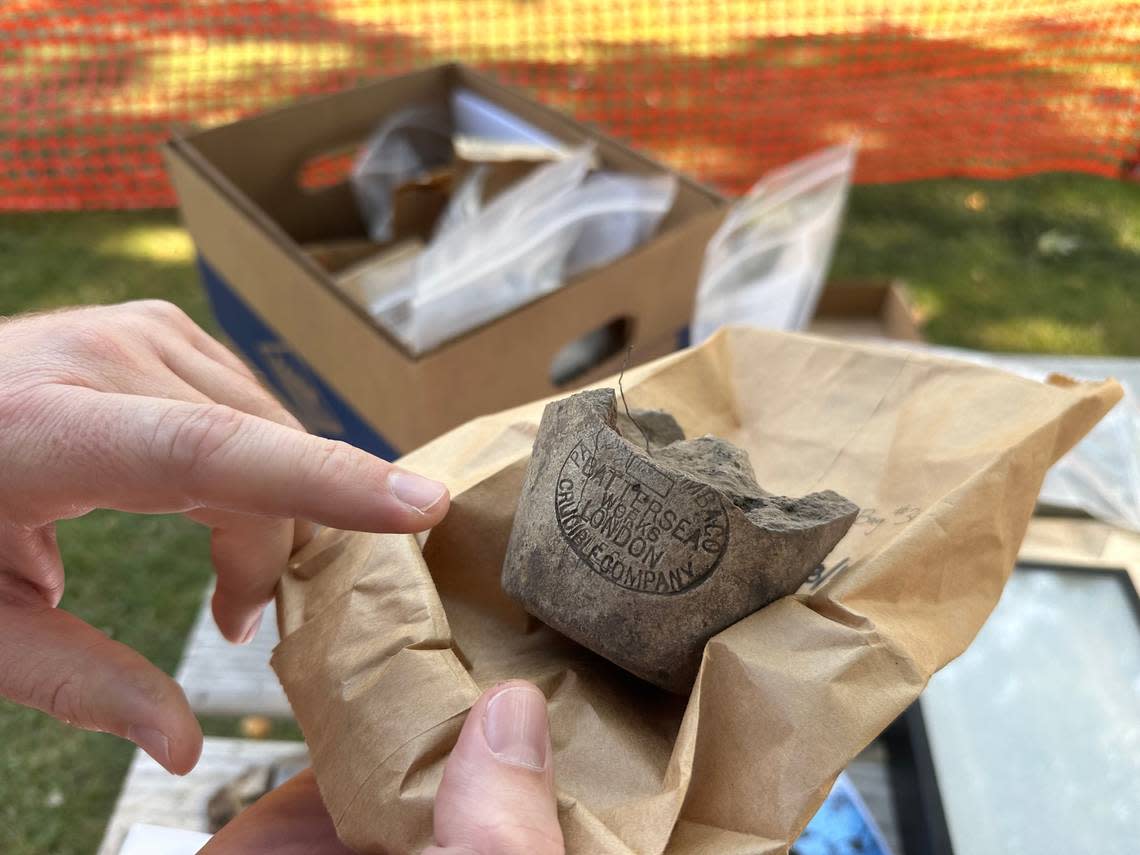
866,309
849,309
343,374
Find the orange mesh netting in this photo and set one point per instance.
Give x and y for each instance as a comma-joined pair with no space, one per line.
722,88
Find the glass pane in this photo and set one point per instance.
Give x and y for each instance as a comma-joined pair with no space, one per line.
1035,730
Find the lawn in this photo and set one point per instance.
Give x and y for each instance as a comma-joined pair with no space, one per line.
1043,264
1047,264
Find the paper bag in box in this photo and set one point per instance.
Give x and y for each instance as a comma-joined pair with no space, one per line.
385,647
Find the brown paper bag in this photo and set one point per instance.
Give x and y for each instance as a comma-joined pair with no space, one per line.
385,647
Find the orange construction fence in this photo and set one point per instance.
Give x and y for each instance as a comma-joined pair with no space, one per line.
722,88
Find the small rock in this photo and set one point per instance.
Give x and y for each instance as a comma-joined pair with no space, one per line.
643,556
255,727
250,785
1055,242
977,201
236,795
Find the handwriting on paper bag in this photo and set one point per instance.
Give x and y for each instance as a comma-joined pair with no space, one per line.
869,521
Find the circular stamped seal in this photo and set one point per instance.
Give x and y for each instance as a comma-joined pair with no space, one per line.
635,524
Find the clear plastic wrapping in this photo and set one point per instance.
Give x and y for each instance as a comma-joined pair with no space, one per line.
553,224
486,259
767,262
412,142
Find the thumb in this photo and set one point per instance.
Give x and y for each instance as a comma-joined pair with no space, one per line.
497,793
52,661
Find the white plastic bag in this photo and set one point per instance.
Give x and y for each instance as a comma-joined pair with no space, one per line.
475,116
767,262
517,248
409,144
465,203
638,206
418,139
484,238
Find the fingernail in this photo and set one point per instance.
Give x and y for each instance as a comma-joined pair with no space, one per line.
421,493
516,728
252,628
152,741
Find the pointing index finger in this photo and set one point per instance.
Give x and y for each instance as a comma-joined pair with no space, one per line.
151,455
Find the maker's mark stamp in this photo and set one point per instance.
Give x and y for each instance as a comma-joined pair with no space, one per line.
634,524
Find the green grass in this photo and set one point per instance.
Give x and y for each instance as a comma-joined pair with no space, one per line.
65,259
999,278
983,278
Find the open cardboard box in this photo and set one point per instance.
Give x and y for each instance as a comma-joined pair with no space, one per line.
866,309
343,374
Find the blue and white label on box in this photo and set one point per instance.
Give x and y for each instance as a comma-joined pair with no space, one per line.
295,382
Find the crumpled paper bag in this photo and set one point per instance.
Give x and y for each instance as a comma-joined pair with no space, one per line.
385,647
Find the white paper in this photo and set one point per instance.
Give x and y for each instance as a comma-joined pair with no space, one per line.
475,116
145,839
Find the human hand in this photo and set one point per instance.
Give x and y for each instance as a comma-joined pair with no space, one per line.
135,408
496,797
